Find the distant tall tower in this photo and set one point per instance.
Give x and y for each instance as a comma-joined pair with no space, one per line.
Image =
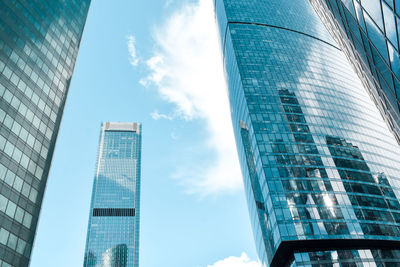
368,31
321,168
113,231
39,43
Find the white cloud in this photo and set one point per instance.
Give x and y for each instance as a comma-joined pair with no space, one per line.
186,68
242,261
133,58
156,116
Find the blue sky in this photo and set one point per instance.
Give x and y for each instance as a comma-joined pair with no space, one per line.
157,62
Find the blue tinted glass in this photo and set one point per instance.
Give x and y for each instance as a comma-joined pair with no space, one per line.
113,232
373,7
390,25
39,42
319,162
379,25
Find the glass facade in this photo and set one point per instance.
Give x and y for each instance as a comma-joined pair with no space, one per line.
368,31
321,168
39,42
113,231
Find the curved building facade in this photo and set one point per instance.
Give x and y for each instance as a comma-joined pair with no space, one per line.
321,168
39,43
368,31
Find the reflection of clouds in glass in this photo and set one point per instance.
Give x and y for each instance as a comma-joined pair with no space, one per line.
376,36
394,60
390,25
348,3
114,218
373,8
114,171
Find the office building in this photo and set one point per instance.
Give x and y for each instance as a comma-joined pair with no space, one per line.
39,42
113,231
368,31
321,168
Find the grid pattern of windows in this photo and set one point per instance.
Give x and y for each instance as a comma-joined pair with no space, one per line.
321,167
113,231
368,31
337,258
39,42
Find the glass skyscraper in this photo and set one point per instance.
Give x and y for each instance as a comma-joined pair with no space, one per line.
39,42
113,231
321,168
368,31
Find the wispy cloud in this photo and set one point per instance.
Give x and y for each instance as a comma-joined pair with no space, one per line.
156,116
186,68
242,261
174,136
133,58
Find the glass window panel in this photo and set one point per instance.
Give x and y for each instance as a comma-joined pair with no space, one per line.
2,115
394,60
18,183
5,264
390,3
11,207
27,220
25,189
9,179
21,246
397,4
33,195
19,215
377,38
390,25
12,241
373,7
3,203
4,236
349,5
3,169
8,121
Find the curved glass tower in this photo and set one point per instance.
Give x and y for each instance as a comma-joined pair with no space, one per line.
113,231
39,43
368,31
321,168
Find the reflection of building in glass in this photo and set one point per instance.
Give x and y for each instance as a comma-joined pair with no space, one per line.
372,197
115,257
321,168
113,231
368,31
39,43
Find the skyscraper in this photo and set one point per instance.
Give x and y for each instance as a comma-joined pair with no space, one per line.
368,31
321,168
113,231
39,42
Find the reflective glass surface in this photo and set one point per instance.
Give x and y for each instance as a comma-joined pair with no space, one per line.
368,31
338,258
321,168
39,42
113,231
